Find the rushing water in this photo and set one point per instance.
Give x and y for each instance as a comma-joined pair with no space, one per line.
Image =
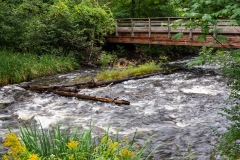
179,110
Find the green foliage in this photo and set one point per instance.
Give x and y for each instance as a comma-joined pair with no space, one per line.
207,10
202,38
139,8
204,56
60,26
10,26
177,36
15,67
222,58
204,14
79,144
121,51
147,68
107,58
229,142
221,38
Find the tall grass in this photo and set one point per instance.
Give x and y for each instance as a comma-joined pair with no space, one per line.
56,143
15,67
146,68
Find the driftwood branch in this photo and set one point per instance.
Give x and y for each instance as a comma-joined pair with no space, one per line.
49,88
88,97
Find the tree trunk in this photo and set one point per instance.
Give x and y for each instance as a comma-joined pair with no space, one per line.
133,8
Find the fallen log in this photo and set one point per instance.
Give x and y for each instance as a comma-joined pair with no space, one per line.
90,84
49,88
93,84
67,91
88,97
116,81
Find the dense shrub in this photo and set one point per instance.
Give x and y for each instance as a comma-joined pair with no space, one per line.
58,26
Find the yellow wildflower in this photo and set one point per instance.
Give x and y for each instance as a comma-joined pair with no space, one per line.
72,144
17,149
127,153
71,157
125,138
112,148
104,139
5,157
11,140
33,157
137,147
14,143
113,145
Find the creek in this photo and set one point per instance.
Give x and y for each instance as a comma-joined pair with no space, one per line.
179,110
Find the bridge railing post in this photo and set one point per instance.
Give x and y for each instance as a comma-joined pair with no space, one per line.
190,33
116,27
132,27
169,28
149,27
214,31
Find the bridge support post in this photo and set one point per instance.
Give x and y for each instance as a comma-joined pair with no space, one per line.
214,31
169,28
190,33
116,27
149,27
132,26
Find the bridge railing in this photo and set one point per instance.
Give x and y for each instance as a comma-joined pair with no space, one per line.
166,25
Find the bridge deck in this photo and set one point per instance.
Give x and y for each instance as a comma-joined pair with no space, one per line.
161,31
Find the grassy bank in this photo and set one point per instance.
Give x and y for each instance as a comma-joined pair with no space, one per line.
15,67
54,144
146,68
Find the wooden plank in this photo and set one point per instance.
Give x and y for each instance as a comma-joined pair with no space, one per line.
156,38
224,30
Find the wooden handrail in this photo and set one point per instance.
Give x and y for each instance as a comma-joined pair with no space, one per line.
159,30
164,24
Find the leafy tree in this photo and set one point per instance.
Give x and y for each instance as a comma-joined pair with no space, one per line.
139,8
55,26
10,27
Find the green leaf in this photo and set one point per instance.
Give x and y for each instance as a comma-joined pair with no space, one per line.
200,60
194,15
207,17
236,55
221,38
177,36
202,38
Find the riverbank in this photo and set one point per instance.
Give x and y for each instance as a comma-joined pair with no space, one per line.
19,67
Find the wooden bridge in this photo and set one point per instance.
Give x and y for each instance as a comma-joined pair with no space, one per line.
161,31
